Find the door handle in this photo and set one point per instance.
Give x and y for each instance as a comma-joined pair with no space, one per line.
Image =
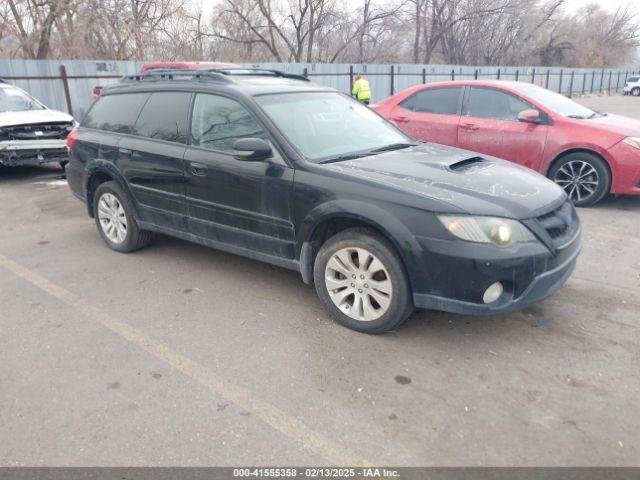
124,151
470,126
400,119
198,169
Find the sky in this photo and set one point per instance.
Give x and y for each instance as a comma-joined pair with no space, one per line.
573,5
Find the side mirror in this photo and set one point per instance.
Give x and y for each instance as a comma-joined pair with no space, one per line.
252,150
529,116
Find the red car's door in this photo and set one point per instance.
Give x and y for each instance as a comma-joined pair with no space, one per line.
489,124
430,115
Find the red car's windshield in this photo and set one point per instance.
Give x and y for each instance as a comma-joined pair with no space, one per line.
555,102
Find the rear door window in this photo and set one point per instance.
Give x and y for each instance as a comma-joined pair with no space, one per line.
115,113
633,79
491,103
165,117
218,122
443,101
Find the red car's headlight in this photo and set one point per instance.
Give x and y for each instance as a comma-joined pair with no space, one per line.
632,141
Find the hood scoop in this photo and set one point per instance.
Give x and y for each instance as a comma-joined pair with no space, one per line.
465,164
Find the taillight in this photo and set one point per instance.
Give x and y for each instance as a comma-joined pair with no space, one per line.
72,137
97,90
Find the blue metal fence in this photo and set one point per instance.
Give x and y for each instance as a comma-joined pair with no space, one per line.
67,84
386,80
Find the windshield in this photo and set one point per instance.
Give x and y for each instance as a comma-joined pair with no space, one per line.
15,100
329,125
555,102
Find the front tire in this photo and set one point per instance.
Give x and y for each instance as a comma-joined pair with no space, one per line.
584,176
113,213
635,91
361,281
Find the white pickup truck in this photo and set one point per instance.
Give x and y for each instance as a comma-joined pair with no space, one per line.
632,86
30,133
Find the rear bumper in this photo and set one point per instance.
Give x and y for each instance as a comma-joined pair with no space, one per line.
32,152
76,179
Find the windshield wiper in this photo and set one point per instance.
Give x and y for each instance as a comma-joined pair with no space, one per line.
579,117
375,151
349,156
394,146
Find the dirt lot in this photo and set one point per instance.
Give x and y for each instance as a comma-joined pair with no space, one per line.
182,355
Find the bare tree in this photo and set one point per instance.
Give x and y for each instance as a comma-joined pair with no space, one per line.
33,22
286,29
496,32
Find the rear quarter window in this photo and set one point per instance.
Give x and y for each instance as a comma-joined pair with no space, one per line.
443,101
633,79
115,113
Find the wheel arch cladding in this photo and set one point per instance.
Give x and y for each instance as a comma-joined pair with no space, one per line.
98,173
328,219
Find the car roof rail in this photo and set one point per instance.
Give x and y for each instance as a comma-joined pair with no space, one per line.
222,75
177,74
259,72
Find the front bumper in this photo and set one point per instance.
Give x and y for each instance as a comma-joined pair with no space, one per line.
529,273
32,152
625,169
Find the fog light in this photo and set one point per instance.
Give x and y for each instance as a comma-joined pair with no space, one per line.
492,293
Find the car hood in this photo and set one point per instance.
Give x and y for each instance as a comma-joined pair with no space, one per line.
618,124
23,117
459,180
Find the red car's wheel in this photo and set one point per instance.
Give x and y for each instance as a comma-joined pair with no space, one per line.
584,176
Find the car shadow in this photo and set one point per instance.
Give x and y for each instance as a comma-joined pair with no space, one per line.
421,323
18,174
618,202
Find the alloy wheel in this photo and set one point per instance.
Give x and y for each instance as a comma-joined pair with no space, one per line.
113,220
579,179
358,284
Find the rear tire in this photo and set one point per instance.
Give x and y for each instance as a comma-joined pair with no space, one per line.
113,213
584,176
635,91
361,281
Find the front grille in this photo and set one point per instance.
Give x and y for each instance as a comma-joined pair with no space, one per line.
36,131
561,223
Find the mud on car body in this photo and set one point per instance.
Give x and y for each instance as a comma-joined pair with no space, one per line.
30,133
281,170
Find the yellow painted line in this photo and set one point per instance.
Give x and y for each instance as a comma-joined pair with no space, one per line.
271,415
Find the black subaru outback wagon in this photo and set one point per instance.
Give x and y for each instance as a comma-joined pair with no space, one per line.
270,166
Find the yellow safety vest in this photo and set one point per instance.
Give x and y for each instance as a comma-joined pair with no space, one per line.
361,90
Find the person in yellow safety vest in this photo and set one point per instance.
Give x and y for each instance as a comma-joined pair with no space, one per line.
361,90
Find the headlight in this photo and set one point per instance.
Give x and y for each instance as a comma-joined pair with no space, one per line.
499,231
632,141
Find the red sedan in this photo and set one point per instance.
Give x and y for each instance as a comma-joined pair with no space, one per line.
588,153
